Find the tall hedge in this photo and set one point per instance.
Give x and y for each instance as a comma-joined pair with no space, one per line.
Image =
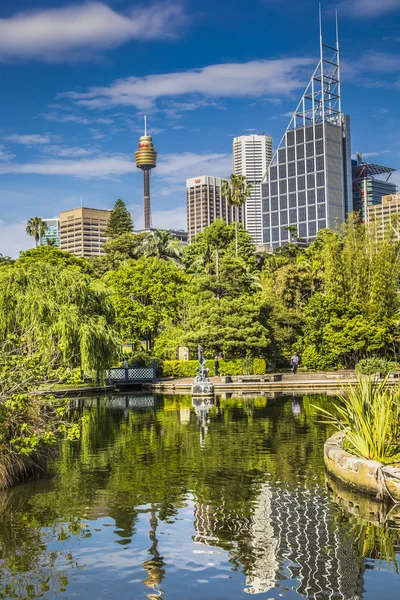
187,368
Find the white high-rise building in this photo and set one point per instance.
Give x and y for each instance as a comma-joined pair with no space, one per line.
252,155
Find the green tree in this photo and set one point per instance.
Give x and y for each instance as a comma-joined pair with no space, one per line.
36,227
120,221
52,256
146,294
236,190
162,244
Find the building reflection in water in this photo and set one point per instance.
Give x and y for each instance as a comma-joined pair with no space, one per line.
296,405
291,536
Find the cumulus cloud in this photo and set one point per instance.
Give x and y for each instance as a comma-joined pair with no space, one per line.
368,9
232,80
77,31
30,139
72,118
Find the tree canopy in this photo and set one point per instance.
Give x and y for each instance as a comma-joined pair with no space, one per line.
120,221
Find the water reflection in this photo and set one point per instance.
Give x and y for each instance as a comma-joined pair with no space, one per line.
187,498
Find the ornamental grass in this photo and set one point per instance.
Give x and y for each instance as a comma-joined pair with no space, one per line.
368,415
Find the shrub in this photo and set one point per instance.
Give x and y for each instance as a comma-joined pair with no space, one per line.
314,360
368,415
187,368
370,366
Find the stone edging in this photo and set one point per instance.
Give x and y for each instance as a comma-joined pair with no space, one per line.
359,473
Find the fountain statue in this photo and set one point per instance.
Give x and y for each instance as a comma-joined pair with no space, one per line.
202,385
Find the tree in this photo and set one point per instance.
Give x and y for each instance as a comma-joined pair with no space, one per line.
52,256
119,222
36,228
236,191
146,294
162,244
60,309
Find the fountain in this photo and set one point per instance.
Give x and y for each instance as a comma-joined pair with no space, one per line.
202,385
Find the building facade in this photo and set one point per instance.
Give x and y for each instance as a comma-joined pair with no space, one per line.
252,155
52,235
179,234
82,231
385,217
308,185
368,189
205,204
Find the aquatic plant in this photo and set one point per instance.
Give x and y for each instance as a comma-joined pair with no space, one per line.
368,415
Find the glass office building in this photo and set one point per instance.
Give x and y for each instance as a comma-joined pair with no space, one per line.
308,185
52,233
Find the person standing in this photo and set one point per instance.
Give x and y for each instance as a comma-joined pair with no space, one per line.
294,361
216,365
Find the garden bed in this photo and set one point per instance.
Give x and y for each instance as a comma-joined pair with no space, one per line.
368,476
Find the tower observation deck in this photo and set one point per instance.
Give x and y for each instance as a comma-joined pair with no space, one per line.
146,159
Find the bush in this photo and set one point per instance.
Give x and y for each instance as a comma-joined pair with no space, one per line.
314,360
370,366
187,368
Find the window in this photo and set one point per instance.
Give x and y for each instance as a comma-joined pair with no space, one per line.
293,216
282,171
265,204
274,203
284,217
309,149
291,169
310,165
292,200
290,138
319,147
301,198
321,195
266,236
311,213
266,221
312,228
300,151
320,179
283,202
302,214
292,184
301,182
274,188
282,155
299,136
275,234
319,132
274,219
291,154
300,167
283,186
273,173
311,180
284,234
320,163
309,134
303,230
321,211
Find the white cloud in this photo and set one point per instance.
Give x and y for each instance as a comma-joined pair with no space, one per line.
71,118
71,152
368,9
171,167
13,239
5,155
233,80
73,32
30,139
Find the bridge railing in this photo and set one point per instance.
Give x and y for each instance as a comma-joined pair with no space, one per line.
132,374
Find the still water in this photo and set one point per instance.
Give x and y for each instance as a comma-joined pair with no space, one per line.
170,498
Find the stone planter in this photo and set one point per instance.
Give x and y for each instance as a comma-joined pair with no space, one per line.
360,474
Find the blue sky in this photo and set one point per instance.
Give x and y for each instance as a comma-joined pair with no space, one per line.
77,78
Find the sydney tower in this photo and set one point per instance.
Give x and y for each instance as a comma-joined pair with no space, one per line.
146,159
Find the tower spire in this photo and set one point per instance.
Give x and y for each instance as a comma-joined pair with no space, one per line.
145,124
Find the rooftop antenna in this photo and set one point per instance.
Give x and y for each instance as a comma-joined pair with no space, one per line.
145,124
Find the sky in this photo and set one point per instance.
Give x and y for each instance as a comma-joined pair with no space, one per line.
78,77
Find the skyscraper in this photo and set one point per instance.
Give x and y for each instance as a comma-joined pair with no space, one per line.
52,234
205,203
368,189
146,159
252,155
82,231
308,185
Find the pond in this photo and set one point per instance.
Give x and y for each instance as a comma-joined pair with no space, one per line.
171,497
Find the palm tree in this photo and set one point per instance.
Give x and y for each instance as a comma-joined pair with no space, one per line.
36,227
162,244
236,190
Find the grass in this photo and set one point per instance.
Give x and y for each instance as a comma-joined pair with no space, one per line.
368,414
